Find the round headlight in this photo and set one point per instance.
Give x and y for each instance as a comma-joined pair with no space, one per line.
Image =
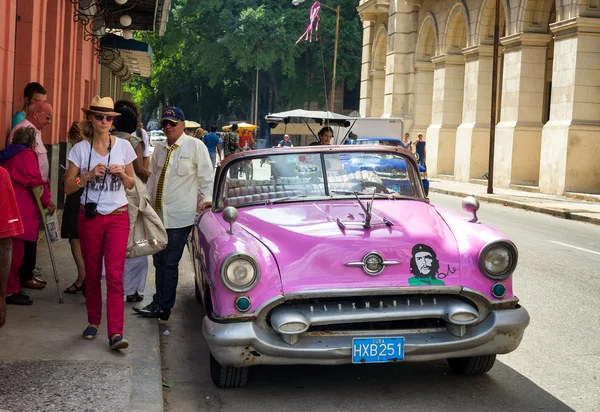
239,272
498,260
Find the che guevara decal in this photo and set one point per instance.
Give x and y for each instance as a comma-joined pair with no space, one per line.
425,266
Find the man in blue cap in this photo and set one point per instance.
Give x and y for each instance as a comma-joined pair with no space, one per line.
180,163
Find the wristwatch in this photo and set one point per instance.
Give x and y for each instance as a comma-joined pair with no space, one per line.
79,182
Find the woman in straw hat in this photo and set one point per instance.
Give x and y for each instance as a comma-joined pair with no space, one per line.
102,165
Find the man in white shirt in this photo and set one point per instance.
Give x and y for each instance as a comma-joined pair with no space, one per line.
177,166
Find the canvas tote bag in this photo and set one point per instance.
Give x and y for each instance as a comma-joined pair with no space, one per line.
147,234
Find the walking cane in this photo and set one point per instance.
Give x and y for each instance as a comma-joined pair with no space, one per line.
37,192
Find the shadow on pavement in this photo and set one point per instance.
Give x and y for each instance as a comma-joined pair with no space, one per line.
410,386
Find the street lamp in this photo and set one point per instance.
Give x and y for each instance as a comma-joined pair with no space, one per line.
337,29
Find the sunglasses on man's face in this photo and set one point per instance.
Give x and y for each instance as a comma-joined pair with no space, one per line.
166,123
101,117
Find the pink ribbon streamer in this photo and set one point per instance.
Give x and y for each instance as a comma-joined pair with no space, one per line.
313,24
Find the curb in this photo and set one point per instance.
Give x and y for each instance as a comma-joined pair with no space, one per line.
146,365
553,212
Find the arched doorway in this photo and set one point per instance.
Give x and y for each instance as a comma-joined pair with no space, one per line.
473,135
426,49
378,72
448,91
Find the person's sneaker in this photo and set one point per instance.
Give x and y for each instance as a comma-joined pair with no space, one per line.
37,271
18,299
118,342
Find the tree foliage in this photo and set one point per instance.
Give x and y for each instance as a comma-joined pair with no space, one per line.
207,60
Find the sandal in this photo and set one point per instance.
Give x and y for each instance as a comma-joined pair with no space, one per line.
74,288
90,333
118,342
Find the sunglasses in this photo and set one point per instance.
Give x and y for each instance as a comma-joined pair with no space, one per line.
167,122
101,117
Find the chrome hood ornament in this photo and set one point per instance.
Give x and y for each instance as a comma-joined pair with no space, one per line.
373,263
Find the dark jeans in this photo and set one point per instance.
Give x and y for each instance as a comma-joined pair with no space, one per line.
26,268
166,264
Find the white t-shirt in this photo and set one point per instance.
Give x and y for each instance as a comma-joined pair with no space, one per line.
109,195
146,140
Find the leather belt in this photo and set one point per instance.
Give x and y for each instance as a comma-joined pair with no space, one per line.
118,211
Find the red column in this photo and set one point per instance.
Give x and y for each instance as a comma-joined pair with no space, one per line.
7,64
53,67
30,46
77,67
68,63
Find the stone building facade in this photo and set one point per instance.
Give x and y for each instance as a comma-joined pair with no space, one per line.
430,63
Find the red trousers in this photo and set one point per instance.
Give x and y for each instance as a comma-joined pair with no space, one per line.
104,236
14,282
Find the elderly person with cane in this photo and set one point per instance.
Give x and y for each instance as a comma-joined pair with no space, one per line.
21,162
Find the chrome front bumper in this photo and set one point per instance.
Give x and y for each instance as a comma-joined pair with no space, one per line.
245,344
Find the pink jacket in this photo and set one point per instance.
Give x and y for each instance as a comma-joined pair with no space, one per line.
25,174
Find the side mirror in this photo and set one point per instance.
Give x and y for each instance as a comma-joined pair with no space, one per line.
230,215
470,204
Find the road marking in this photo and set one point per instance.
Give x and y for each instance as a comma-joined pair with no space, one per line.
575,247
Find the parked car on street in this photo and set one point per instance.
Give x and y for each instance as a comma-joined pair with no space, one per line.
390,141
333,254
156,137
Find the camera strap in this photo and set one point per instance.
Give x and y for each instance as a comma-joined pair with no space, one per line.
87,188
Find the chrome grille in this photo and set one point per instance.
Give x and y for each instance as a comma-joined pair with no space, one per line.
342,315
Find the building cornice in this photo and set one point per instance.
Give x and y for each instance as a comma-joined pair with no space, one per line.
423,66
448,60
526,39
571,27
481,50
371,9
377,73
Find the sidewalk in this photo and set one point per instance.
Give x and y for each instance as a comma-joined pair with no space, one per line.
559,206
45,364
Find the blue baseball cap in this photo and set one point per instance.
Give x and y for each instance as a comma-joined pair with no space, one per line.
173,113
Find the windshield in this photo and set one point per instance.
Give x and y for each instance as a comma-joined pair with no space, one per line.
379,142
291,177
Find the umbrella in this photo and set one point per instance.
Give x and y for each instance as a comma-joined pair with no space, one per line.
319,117
242,126
189,124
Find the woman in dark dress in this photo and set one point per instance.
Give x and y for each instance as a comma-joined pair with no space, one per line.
68,229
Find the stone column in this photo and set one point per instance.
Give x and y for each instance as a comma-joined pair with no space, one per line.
473,135
366,83
571,138
448,85
402,41
423,98
519,133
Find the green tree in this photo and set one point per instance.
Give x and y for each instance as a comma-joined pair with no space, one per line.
207,61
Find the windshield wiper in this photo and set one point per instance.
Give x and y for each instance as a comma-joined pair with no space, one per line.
282,199
355,193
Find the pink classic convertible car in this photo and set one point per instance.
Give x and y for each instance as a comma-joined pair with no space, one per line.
333,254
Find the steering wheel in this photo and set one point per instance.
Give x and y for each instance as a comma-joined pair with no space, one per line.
379,188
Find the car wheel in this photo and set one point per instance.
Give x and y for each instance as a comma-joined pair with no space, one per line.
472,365
197,290
227,376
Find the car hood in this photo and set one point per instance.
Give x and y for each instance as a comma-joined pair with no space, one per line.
312,250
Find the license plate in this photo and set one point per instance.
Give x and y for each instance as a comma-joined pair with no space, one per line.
377,350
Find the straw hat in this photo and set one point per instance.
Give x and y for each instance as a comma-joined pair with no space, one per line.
101,105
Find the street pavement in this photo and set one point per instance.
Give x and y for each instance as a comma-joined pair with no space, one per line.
45,364
573,206
556,368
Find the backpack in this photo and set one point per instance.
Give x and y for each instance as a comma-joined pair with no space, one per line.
231,142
